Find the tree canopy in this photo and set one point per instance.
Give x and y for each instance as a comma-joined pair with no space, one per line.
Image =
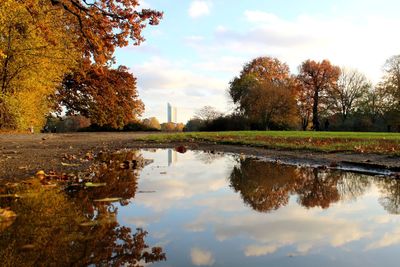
103,25
37,49
264,92
43,41
316,80
106,96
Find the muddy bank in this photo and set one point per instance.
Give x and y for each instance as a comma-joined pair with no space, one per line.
22,155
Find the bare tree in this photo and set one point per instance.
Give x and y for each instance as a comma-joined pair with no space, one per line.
207,113
352,87
390,85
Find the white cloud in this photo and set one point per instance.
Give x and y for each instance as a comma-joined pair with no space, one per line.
144,5
161,81
202,257
199,8
364,44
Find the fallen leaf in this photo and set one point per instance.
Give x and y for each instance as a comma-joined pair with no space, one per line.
70,164
90,184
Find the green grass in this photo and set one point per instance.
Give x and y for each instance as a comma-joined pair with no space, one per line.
381,143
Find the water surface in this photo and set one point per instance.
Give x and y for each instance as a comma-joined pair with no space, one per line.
207,209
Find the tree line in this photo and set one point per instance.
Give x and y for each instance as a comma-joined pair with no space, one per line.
58,55
321,96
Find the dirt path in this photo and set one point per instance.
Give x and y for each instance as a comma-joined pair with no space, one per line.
22,155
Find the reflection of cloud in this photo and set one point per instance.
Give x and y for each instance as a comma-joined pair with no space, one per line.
143,221
383,219
225,203
182,181
290,230
254,250
291,225
159,235
387,240
304,248
201,257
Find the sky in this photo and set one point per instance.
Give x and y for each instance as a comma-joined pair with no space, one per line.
201,45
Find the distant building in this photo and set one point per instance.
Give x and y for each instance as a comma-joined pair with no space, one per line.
172,113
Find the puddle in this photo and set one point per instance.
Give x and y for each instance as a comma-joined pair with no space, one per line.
200,209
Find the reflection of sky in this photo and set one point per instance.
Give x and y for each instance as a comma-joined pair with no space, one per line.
200,221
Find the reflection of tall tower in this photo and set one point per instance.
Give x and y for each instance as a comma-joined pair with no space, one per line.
172,113
172,156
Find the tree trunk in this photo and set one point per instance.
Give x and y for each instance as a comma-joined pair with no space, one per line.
315,119
304,123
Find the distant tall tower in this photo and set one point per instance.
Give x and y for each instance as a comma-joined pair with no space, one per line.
169,112
172,113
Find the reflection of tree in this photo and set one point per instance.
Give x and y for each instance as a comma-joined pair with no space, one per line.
264,186
119,171
267,186
208,157
56,229
319,188
351,185
390,195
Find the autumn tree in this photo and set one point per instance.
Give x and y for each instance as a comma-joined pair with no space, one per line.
106,96
264,92
316,79
103,25
36,50
41,40
172,127
304,99
152,122
351,89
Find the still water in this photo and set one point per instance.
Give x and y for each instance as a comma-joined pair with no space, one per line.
204,209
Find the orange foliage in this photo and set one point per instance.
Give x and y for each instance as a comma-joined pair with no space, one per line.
106,96
316,79
103,25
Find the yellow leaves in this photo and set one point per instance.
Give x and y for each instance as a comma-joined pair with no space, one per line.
36,52
90,184
7,218
6,215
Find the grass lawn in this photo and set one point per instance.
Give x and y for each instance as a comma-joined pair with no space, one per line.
381,143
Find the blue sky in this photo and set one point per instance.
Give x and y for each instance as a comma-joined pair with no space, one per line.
200,45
